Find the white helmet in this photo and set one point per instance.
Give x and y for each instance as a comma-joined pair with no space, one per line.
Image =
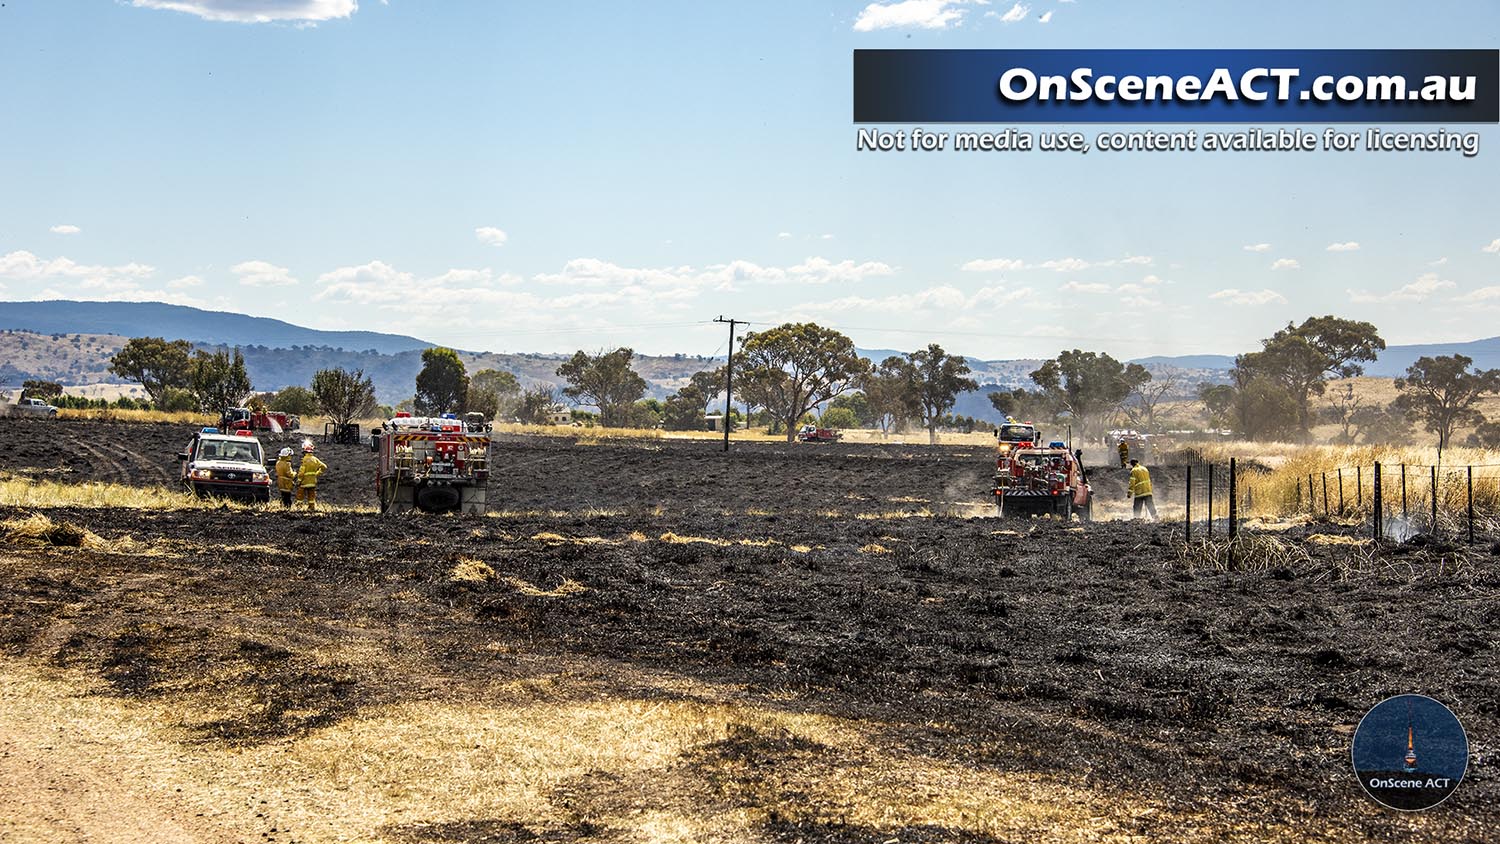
307,445
286,452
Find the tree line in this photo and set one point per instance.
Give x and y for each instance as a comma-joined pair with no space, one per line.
800,372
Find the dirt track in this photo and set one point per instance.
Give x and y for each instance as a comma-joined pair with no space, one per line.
1170,700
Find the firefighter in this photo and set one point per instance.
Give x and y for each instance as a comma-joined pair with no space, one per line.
286,476
1124,452
1140,489
307,475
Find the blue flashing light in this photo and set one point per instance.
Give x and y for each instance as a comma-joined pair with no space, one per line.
1057,444
450,415
210,430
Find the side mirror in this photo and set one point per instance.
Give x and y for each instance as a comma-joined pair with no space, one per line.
184,456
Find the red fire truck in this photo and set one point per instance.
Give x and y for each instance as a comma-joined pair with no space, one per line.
1033,480
432,464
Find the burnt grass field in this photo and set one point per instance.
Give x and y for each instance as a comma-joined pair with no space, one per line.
867,583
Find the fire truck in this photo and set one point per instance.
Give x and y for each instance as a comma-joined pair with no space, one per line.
435,464
1032,480
272,421
814,434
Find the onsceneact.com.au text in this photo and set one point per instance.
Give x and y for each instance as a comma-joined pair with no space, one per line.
1257,84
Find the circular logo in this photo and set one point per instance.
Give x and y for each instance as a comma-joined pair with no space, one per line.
1410,752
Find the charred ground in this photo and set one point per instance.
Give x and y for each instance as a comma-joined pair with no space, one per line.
848,582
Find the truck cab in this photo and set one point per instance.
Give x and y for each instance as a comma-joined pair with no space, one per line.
225,465
1013,435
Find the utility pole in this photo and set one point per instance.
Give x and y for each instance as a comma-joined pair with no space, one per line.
729,375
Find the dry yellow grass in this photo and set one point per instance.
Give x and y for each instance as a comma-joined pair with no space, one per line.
1283,490
645,769
470,570
30,492
118,415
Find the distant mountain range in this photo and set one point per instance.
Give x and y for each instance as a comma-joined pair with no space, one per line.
77,339
179,322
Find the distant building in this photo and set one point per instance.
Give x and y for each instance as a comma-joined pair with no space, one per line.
559,415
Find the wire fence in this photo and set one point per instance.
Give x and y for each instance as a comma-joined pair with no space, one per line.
1393,501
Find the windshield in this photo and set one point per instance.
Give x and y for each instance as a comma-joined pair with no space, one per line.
243,452
1017,433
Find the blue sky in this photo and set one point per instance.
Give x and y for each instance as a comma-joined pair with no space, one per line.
543,177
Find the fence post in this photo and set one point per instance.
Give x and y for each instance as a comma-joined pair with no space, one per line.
1434,501
1403,492
1325,494
1234,501
1312,497
1187,505
1471,505
1210,532
1341,491
1379,510
1359,487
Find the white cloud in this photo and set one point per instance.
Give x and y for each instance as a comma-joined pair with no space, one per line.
1017,12
1417,291
257,11
1258,247
1235,296
1063,265
783,235
910,14
1046,17
1493,247
1286,264
1482,295
491,236
65,229
994,265
262,274
943,298
827,237
821,270
1151,279
24,266
1077,287
1439,262
1350,246
185,282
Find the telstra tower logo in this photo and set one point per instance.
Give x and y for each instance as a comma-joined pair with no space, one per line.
1410,752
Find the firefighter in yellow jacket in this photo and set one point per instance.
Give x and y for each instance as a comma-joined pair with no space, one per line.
286,476
307,475
1140,489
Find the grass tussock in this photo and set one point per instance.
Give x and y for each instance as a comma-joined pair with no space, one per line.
470,570
1249,551
562,590
40,531
558,539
